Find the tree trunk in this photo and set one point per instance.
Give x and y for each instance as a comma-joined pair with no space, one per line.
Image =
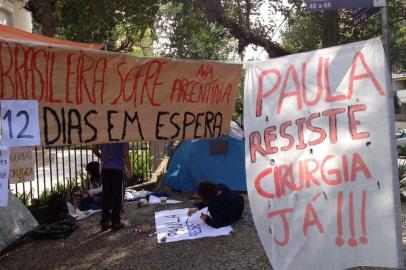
330,35
48,20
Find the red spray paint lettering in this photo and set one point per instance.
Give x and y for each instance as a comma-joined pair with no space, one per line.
269,143
278,181
311,219
280,80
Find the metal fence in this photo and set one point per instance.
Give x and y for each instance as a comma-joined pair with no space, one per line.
63,169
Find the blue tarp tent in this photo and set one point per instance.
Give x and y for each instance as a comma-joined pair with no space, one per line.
192,163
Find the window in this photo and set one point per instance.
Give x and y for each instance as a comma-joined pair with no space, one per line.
5,17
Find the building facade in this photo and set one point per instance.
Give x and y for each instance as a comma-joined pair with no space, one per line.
13,14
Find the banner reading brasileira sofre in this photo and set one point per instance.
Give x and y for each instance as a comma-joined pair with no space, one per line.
88,96
321,159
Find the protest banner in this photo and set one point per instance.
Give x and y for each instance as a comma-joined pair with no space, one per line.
175,225
88,96
22,164
321,159
20,123
4,170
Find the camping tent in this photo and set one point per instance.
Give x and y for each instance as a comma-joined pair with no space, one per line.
15,220
220,160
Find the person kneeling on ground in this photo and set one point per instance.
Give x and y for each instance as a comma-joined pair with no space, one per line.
225,206
92,198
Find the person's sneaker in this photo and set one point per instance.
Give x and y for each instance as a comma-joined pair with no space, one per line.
105,226
117,226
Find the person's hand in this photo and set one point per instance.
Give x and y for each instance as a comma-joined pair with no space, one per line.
203,217
191,211
129,174
84,193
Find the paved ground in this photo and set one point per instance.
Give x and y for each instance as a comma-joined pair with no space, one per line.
88,248
400,125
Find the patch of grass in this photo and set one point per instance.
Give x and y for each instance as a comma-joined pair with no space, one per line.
141,166
67,189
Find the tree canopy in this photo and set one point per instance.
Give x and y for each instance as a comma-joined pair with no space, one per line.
120,24
210,29
313,30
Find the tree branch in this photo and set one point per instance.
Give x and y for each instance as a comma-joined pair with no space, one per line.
215,13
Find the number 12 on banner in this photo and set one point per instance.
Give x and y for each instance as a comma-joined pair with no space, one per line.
19,122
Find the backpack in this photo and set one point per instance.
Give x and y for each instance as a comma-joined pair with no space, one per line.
57,208
59,230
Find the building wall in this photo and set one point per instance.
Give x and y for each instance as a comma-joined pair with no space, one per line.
399,85
14,15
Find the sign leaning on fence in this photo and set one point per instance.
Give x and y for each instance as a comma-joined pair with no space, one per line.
22,165
87,96
321,159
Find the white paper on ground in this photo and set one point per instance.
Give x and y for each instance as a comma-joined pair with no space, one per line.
84,214
76,213
155,200
175,225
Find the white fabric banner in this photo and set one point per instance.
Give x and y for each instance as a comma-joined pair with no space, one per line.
321,159
4,170
175,225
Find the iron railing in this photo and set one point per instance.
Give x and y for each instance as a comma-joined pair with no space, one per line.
63,169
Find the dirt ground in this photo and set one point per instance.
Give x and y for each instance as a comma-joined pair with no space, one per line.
88,248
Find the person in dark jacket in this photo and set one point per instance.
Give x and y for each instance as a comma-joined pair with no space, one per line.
92,198
225,206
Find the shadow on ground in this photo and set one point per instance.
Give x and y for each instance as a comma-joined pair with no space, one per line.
88,248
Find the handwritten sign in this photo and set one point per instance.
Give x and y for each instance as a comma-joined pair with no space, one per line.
100,97
321,160
4,168
20,122
175,225
22,164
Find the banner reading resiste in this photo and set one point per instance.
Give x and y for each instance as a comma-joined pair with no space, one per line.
321,159
88,96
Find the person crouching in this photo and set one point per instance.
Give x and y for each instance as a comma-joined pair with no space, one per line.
225,206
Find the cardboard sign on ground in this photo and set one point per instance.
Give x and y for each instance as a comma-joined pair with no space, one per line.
175,225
